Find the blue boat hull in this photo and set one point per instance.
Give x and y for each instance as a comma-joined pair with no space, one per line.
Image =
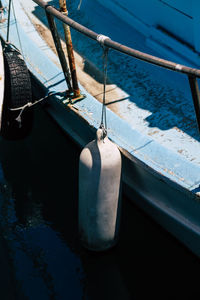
172,27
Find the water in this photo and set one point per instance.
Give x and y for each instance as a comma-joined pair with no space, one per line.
40,254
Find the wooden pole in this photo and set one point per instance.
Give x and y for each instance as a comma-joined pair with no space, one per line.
61,55
70,52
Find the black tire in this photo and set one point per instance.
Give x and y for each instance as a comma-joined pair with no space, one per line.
17,94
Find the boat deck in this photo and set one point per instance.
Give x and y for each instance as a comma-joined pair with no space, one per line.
154,105
154,101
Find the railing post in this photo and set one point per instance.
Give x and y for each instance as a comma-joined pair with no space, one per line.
59,49
76,90
195,96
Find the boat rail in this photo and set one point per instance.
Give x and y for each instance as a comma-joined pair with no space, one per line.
191,73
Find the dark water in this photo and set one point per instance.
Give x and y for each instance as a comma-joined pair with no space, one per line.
40,254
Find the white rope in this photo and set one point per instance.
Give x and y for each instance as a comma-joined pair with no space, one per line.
19,118
22,108
178,67
79,6
103,124
29,104
16,24
101,38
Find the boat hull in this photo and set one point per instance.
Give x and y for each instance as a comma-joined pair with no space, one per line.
177,39
175,208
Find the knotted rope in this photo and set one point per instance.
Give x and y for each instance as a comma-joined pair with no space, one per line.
101,39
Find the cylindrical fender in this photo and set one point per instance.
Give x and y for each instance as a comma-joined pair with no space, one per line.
99,193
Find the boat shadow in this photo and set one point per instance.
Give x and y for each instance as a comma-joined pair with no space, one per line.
42,171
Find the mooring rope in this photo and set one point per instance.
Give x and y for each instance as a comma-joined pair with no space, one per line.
29,104
103,115
79,6
101,38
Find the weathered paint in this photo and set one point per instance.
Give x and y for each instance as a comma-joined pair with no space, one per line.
168,180
70,52
59,49
151,18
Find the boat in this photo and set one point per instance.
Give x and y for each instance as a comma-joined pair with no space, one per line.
156,127
177,39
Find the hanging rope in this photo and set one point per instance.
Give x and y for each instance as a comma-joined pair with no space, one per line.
101,38
103,114
20,44
16,24
79,6
29,104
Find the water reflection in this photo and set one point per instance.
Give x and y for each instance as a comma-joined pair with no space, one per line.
44,266
38,217
17,168
41,223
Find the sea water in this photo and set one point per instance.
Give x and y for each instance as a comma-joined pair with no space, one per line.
40,253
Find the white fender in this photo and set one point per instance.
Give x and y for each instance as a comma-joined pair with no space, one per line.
99,193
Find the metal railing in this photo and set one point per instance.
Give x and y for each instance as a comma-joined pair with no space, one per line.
191,73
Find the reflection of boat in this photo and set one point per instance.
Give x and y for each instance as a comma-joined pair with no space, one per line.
161,161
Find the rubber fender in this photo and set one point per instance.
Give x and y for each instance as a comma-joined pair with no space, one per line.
18,93
99,194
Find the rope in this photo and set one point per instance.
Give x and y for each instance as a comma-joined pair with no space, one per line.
29,104
101,38
79,6
19,118
20,44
